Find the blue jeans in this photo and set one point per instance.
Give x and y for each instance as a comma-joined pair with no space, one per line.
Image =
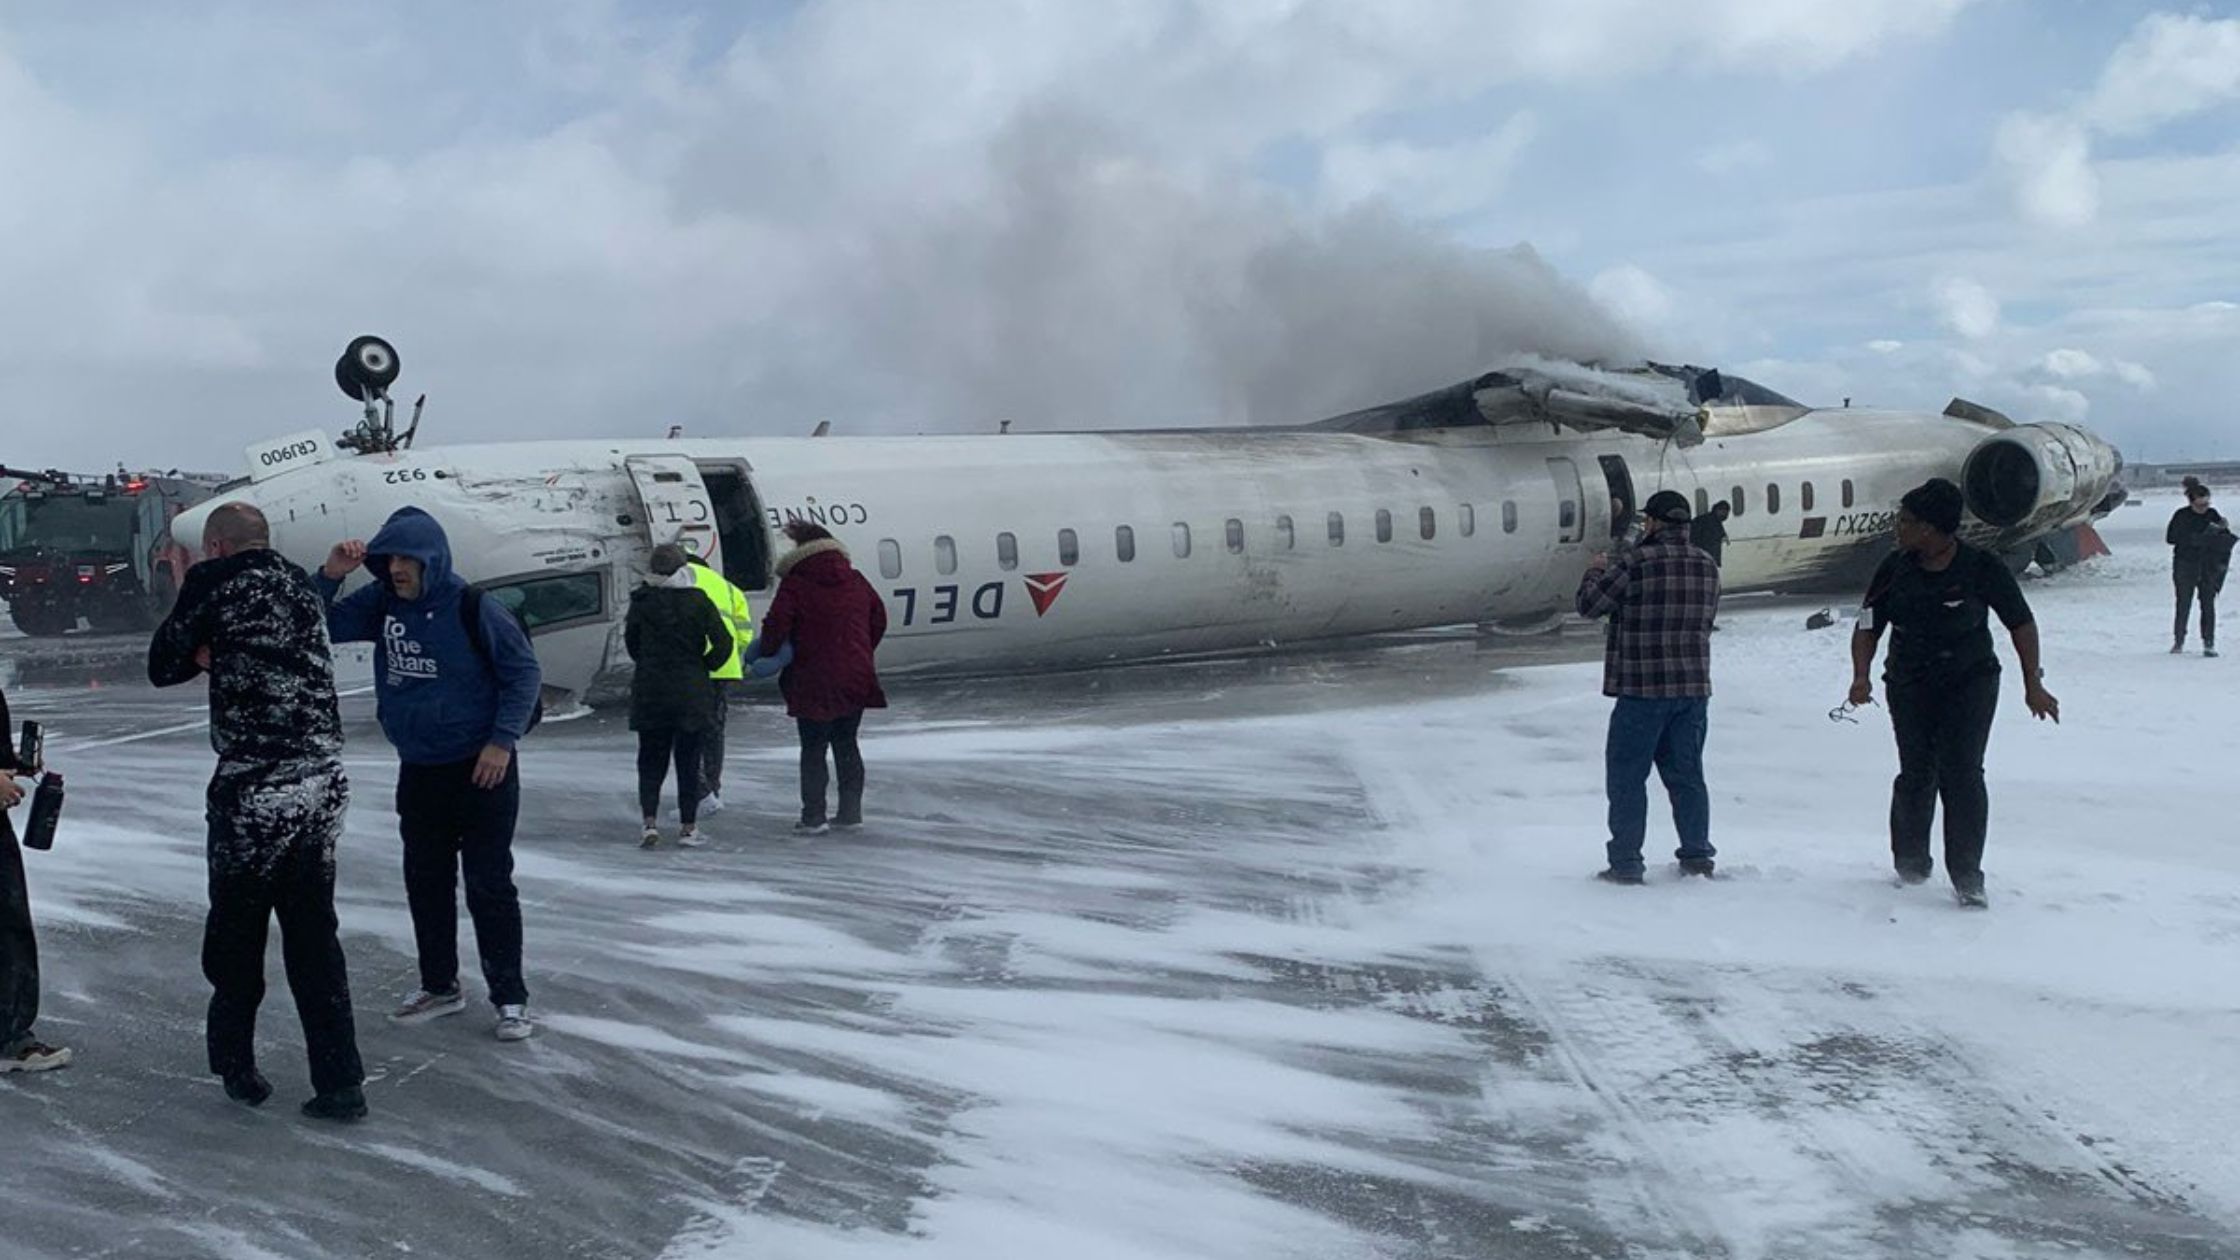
1667,734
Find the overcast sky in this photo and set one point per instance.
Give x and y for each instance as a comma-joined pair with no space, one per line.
588,218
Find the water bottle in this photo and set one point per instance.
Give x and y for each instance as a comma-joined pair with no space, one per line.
46,811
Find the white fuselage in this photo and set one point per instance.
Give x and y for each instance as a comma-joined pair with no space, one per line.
1055,551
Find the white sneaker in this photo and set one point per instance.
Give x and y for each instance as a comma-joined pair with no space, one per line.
35,1056
513,1023
423,1006
651,838
712,803
691,839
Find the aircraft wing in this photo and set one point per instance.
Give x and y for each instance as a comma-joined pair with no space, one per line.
1581,398
1647,403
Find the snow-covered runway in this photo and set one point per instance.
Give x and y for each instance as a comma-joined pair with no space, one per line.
1288,958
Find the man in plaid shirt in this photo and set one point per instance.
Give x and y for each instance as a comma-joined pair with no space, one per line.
1661,598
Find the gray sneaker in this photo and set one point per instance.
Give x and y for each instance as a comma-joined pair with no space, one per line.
423,1006
513,1023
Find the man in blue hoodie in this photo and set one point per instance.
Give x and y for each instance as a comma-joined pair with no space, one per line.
454,698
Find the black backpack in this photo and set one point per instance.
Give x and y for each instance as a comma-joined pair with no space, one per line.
470,616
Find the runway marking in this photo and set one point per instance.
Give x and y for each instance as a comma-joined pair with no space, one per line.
77,745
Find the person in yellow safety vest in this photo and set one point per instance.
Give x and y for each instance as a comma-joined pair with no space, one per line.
731,605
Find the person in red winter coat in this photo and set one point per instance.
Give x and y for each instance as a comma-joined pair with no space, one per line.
833,621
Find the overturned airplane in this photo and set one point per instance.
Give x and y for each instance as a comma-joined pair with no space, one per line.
1477,503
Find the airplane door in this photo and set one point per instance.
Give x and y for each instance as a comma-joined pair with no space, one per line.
1620,481
1571,515
677,505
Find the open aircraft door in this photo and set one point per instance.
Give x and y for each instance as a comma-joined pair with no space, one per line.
1571,505
677,505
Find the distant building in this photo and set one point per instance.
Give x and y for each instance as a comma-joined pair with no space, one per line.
2223,473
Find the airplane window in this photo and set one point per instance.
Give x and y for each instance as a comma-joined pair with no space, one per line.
1284,536
1773,499
1007,551
1337,529
1509,516
945,555
1738,501
1427,522
1124,543
890,558
1182,540
1804,498
1468,517
1703,502
1567,514
1847,492
1235,530
1069,548
1384,525
546,603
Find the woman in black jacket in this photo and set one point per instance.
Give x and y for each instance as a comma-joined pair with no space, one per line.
2200,552
675,638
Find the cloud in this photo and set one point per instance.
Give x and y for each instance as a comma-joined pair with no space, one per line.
2070,364
1966,307
586,218
2171,67
1734,157
2046,162
1638,298
1885,345
1432,181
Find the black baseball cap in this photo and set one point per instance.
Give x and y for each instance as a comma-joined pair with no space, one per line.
1669,506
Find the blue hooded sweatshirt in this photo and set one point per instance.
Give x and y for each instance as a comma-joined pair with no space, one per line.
439,702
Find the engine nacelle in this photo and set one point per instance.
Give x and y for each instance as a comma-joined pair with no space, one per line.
2038,476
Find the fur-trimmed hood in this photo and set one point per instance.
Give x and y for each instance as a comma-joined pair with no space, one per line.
791,560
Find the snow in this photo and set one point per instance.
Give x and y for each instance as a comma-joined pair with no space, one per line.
1290,958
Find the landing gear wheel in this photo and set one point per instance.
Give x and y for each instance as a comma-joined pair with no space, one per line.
369,365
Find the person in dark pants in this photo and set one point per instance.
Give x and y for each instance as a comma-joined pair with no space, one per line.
832,619
1935,596
738,617
1709,534
19,948
1660,597
677,640
456,686
2200,554
275,805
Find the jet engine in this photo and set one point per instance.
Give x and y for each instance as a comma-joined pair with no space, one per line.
2034,477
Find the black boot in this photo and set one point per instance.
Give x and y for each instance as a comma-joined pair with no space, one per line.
248,1086
347,1103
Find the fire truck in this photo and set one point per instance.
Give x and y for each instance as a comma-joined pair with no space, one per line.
93,548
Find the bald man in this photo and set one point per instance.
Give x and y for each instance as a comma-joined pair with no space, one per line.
275,805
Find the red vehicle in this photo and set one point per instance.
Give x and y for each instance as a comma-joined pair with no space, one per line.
93,548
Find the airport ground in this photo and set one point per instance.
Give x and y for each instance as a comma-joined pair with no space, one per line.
1284,957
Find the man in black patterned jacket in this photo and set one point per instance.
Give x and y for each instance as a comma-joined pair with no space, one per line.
1661,598
275,804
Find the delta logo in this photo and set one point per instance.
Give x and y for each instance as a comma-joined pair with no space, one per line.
1044,589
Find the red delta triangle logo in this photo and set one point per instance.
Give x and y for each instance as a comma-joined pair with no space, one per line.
1044,589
